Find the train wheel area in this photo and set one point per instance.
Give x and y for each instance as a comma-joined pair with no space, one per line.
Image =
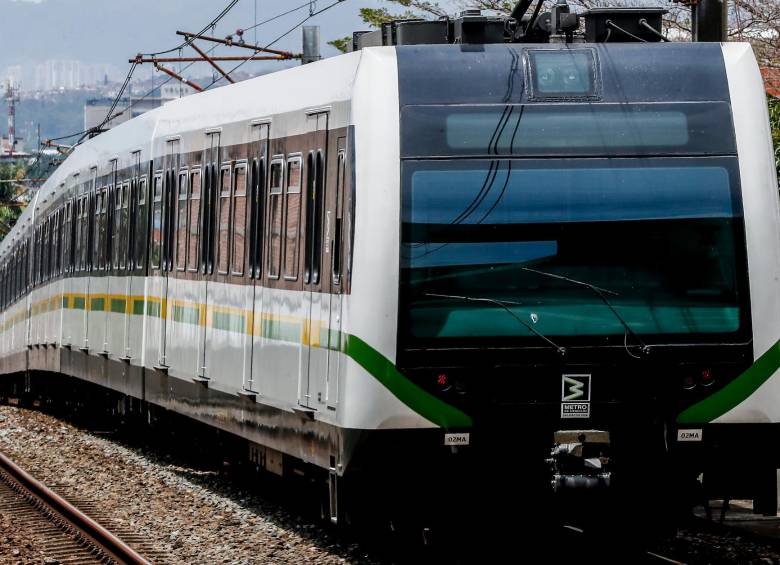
404,514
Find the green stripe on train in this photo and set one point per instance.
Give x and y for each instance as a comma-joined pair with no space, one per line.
417,399
736,392
422,402
118,305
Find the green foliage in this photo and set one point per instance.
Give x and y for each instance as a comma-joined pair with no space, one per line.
10,194
774,122
341,44
375,17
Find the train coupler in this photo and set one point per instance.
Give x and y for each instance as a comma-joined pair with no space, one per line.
580,460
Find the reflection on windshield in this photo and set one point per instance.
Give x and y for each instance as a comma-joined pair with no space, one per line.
659,232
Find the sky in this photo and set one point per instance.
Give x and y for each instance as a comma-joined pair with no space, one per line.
112,31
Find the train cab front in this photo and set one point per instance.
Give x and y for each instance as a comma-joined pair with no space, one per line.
573,270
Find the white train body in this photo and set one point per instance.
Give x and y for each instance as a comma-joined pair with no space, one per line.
295,345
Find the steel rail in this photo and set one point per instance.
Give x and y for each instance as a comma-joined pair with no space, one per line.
101,537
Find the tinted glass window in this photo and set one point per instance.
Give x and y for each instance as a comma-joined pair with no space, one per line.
239,221
293,219
568,129
224,222
562,73
194,204
487,242
275,218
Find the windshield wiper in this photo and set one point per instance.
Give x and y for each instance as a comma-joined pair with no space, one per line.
602,292
503,304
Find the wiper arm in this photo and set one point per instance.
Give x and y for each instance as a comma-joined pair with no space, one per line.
503,304
602,292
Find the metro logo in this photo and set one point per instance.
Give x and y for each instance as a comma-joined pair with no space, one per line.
575,396
576,387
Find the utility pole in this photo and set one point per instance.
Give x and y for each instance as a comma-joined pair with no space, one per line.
709,19
311,44
11,97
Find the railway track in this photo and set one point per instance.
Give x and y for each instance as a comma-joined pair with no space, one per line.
64,533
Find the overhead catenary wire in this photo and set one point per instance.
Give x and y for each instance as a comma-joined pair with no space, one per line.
276,17
188,41
282,36
109,115
86,132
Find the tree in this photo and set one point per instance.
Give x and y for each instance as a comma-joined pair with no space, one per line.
754,21
774,120
11,201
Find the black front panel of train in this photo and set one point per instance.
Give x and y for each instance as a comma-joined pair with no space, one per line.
497,74
572,235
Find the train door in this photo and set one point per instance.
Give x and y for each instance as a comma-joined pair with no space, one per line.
140,248
130,220
168,199
334,249
258,150
96,333
113,214
209,201
86,244
314,356
66,323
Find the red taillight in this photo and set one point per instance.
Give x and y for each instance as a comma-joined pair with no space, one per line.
706,377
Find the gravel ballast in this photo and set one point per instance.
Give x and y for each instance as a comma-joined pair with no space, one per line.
193,514
165,502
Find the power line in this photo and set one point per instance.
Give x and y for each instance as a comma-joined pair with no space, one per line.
110,117
285,34
188,41
276,17
213,22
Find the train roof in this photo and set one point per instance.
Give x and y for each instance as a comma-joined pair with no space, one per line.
307,86
427,74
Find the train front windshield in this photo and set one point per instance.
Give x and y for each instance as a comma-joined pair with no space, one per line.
574,247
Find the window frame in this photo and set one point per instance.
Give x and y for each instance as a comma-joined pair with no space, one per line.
223,196
183,181
193,204
156,238
295,247
279,192
238,166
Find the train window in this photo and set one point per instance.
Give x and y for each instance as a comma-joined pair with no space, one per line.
223,229
141,224
239,219
293,218
96,231
194,221
156,220
256,218
105,257
314,197
45,251
567,73
116,236
125,257
311,171
78,244
58,242
181,223
275,218
66,233
338,243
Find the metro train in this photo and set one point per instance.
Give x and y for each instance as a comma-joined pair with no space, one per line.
555,265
